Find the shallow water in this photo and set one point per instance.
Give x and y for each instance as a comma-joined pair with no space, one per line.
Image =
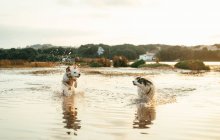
104,107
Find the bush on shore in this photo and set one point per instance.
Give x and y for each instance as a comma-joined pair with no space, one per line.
120,61
137,63
100,62
192,65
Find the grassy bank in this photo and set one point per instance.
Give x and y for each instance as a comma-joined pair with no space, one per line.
25,64
155,65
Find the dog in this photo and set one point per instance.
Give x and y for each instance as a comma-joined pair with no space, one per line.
69,81
146,102
146,89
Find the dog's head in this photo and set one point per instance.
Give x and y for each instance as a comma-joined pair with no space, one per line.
141,82
73,72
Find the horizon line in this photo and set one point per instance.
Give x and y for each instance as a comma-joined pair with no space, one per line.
77,46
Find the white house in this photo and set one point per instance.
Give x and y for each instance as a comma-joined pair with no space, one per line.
100,51
147,57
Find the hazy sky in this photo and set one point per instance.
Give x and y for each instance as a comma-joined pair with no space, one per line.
76,22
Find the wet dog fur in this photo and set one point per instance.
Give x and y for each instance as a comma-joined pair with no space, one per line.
69,81
146,89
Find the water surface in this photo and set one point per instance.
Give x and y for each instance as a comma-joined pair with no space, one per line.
104,107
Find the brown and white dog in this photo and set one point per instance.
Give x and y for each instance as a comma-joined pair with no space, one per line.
69,81
146,89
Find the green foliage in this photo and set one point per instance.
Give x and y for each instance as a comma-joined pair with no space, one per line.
130,51
175,52
95,64
120,61
154,65
187,53
47,52
90,50
192,65
137,63
44,53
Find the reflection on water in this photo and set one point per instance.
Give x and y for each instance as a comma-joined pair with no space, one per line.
144,116
70,115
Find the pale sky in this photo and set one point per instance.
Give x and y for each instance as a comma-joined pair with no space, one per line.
76,22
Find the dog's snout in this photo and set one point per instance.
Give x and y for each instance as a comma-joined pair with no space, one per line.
133,83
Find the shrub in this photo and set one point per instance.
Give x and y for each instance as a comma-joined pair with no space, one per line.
137,63
120,61
104,61
192,65
99,62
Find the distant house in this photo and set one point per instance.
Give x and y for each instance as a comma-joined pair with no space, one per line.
147,57
100,51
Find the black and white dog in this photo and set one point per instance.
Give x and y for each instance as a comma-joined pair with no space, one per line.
146,89
146,102
69,81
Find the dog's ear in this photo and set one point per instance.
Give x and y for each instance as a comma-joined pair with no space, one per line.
68,69
146,82
149,82
138,78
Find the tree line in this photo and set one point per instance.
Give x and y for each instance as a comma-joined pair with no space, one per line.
186,53
49,52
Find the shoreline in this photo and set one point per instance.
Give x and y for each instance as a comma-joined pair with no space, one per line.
25,64
214,66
